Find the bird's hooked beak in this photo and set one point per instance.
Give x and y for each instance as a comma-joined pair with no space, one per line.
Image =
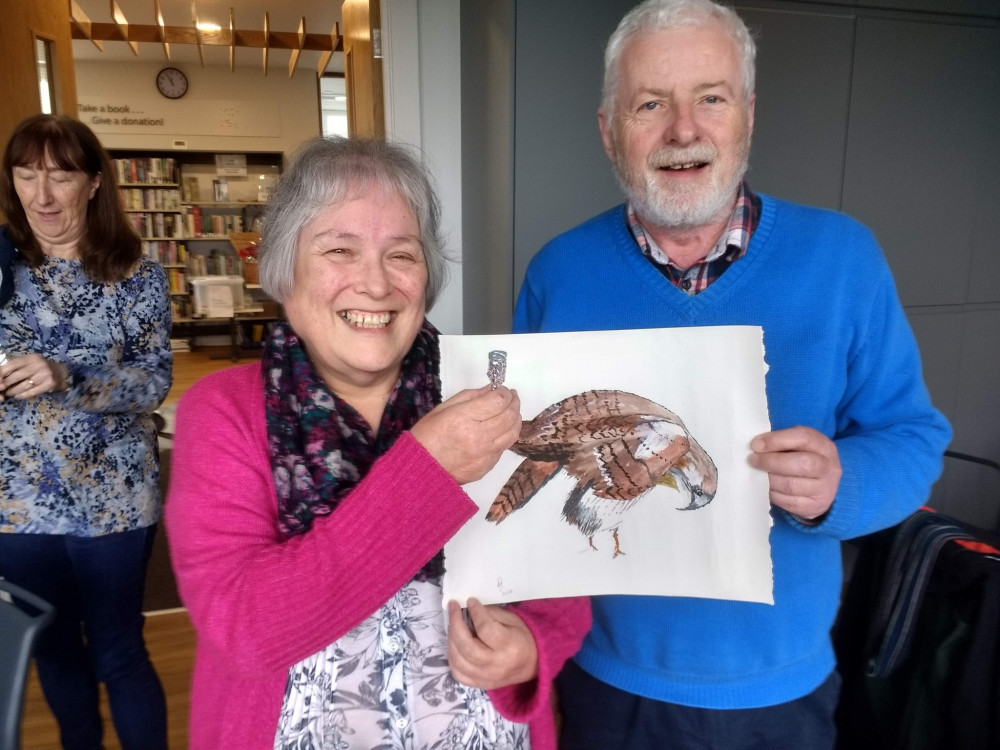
685,473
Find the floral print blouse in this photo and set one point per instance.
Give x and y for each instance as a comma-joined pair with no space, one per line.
84,461
386,686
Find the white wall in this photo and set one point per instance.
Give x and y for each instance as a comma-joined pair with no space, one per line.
422,72
291,106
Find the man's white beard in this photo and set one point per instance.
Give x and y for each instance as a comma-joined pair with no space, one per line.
679,208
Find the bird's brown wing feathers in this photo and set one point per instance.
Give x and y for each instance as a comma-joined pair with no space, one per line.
558,441
526,480
613,471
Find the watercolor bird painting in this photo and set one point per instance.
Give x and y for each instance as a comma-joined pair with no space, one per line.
618,447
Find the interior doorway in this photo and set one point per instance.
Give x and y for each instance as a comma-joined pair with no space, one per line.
333,105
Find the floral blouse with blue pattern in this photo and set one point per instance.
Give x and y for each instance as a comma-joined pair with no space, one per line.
84,461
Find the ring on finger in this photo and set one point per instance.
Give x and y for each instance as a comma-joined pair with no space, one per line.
31,382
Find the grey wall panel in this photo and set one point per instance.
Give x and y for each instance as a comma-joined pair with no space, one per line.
487,28
937,331
561,173
984,281
966,490
982,8
978,403
972,8
915,185
800,138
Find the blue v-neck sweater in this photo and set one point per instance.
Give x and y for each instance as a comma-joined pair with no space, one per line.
842,360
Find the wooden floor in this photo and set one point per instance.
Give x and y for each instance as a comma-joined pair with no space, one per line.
169,636
192,366
170,641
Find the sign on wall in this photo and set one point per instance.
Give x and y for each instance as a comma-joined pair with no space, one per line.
184,117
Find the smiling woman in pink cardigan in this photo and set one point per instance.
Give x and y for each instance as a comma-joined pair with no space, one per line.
311,496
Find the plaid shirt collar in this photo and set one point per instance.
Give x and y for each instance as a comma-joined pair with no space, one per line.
732,246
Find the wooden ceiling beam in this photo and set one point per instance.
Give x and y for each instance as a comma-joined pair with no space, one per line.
82,24
294,59
158,14
335,41
232,40
121,25
267,38
197,34
101,32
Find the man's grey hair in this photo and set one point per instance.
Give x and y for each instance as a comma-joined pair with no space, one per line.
665,15
325,172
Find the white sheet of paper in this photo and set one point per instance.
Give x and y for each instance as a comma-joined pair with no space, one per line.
220,301
710,377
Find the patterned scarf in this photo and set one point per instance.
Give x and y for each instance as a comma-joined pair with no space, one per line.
320,446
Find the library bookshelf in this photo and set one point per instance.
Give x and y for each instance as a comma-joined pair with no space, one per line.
185,206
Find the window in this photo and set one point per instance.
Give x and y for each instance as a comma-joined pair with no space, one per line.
46,74
333,105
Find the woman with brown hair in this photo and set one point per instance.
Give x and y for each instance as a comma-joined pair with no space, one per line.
87,339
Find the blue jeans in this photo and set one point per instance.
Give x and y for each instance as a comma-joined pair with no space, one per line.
597,716
96,585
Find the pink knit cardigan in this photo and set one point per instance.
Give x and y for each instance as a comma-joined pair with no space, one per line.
260,604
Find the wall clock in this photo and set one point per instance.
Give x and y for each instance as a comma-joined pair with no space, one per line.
172,83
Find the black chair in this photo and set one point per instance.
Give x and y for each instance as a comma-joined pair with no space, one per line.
22,617
916,639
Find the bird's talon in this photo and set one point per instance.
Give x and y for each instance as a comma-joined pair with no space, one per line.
618,549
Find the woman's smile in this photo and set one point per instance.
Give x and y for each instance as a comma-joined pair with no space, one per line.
361,319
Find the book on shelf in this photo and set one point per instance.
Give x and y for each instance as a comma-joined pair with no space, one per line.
177,280
197,265
150,170
180,307
151,199
202,222
163,251
156,225
192,193
192,217
213,264
220,189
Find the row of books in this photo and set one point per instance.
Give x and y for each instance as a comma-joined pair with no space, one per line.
180,307
171,252
189,224
157,225
177,279
165,251
216,264
150,170
199,223
151,199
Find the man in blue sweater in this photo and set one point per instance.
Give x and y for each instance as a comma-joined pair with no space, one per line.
855,444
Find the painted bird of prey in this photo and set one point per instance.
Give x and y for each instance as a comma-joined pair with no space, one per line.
617,446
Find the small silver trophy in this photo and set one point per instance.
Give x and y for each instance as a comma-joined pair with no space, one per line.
497,370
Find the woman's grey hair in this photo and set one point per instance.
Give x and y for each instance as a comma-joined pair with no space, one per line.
665,15
327,171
